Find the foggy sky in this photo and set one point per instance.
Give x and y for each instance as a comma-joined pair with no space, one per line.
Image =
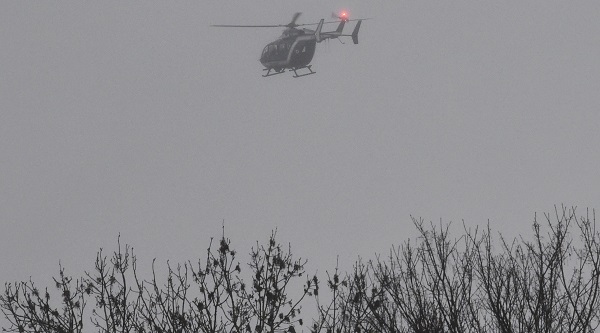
137,118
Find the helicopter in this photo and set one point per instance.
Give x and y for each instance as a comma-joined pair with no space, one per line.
295,48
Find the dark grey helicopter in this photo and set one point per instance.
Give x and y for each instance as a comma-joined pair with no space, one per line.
295,48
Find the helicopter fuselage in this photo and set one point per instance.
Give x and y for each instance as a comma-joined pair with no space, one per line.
294,49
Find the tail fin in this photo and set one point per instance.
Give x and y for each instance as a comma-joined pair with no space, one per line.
318,31
340,27
355,32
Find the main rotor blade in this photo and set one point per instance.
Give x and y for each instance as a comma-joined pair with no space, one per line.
247,26
289,25
294,18
330,22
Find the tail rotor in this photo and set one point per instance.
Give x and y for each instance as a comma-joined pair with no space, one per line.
343,16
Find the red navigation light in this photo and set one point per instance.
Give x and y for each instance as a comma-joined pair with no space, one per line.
344,16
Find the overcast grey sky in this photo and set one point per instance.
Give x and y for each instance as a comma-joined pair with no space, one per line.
137,118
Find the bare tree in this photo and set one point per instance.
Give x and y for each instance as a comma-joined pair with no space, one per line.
273,270
30,310
430,287
435,283
583,282
219,306
357,303
534,286
201,299
108,284
403,278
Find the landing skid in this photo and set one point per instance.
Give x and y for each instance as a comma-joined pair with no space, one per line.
294,69
275,72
